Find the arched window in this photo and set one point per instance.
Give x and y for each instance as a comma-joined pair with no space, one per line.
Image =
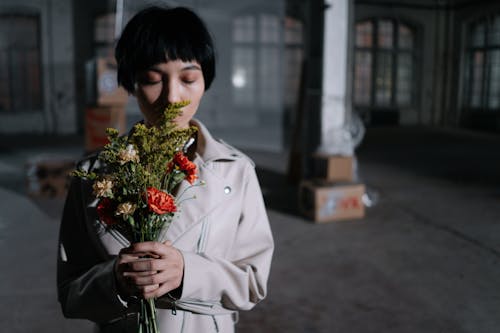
20,74
384,64
482,82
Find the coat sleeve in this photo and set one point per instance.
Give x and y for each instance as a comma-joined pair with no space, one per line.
240,280
85,277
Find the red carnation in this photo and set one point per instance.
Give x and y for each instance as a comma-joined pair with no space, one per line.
106,210
186,166
160,202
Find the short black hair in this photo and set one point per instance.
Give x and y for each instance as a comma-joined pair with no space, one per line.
156,35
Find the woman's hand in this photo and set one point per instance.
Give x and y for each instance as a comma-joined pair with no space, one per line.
149,269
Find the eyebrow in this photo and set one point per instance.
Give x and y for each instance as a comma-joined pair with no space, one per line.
186,68
191,67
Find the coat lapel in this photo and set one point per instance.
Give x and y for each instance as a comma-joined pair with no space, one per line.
197,202
203,199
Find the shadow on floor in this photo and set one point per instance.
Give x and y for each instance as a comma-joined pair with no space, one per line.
468,158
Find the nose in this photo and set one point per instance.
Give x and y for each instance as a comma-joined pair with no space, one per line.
173,91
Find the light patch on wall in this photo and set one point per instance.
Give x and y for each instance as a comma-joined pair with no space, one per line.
239,78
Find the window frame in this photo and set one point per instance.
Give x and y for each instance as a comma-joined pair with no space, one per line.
487,50
395,51
256,48
39,107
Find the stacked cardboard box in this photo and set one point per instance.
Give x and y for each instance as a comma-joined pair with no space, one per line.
97,119
106,104
108,91
333,193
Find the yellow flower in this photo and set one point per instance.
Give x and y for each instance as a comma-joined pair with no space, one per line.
126,209
128,155
103,188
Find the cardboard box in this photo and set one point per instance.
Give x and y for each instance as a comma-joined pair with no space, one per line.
97,120
325,202
48,177
108,91
333,168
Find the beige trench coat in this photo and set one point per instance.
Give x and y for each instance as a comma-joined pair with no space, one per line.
223,235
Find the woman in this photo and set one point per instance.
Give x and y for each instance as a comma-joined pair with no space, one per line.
216,255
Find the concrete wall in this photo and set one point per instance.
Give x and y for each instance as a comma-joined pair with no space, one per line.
249,126
56,38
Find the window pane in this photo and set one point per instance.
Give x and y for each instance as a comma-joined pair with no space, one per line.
18,31
293,67
362,78
5,102
243,77
34,81
494,33
244,29
269,84
405,37
18,72
478,35
383,79
269,29
19,63
494,87
385,33
293,31
404,79
104,28
477,78
364,34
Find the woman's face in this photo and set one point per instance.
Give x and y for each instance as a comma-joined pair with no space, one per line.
166,83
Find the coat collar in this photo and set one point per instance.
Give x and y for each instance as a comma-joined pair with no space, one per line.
210,149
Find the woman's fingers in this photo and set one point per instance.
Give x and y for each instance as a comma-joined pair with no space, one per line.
153,285
154,248
151,279
152,276
171,281
146,265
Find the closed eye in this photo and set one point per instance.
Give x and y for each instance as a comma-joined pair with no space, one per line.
149,83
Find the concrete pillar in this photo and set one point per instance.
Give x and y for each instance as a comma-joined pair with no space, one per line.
62,78
335,99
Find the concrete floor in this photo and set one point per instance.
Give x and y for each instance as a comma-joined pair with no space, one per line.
424,259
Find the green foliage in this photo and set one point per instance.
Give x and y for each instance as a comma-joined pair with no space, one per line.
83,174
138,161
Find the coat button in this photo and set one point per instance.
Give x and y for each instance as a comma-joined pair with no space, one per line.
227,190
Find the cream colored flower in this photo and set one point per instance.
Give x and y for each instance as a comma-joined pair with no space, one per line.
126,209
103,188
128,154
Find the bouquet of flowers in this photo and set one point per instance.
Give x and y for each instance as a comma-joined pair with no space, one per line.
136,190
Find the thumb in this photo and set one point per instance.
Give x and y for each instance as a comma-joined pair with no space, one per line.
167,243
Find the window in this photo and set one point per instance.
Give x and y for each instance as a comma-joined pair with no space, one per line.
256,65
483,61
20,74
384,64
